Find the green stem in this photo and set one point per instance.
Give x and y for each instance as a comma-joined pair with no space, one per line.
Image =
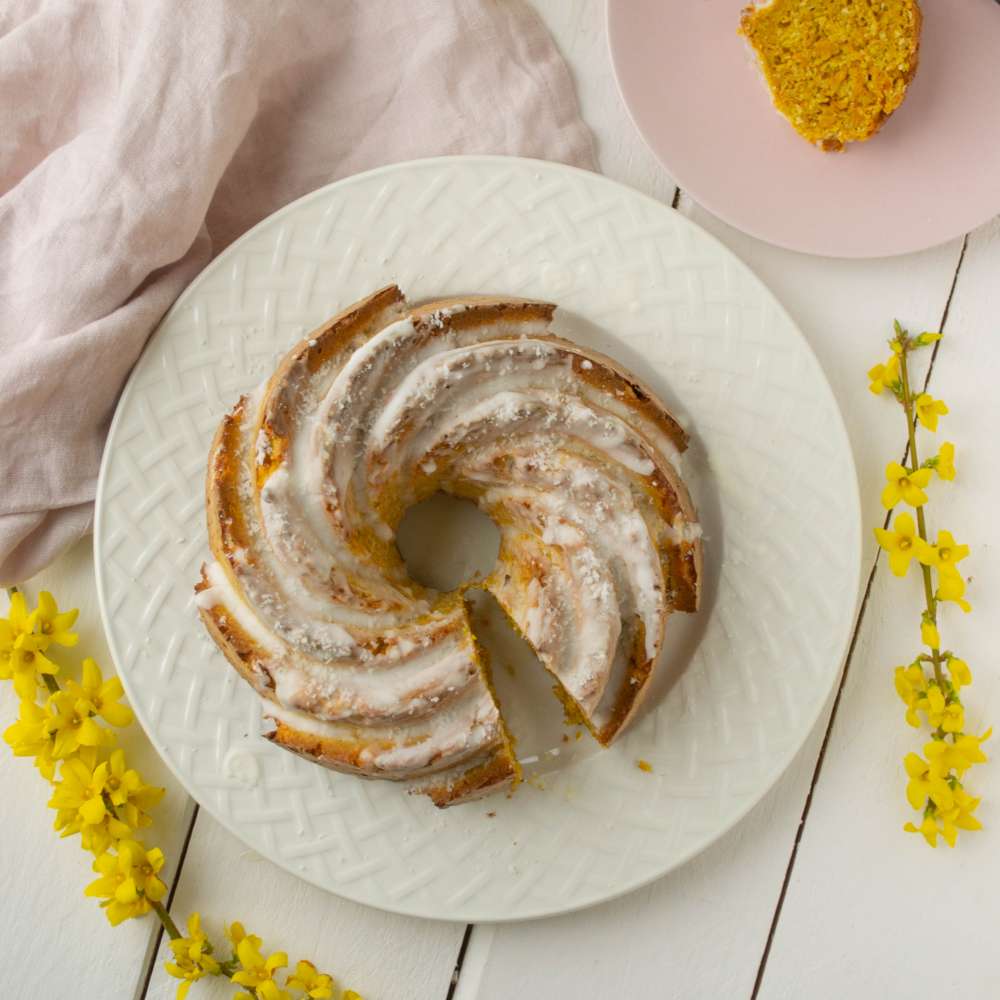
51,683
925,571
168,921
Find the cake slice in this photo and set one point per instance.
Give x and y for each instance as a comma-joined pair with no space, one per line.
837,69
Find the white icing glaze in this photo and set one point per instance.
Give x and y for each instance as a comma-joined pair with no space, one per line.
220,592
355,651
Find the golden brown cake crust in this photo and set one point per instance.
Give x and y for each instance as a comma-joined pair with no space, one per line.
267,420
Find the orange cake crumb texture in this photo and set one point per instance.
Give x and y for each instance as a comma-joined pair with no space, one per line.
836,68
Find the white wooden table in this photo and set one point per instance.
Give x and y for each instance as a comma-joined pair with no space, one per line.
816,894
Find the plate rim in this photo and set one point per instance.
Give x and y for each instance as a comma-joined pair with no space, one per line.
465,912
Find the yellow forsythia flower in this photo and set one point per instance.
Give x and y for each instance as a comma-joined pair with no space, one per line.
942,712
882,377
78,799
268,990
899,542
911,686
101,696
925,783
128,794
928,828
29,737
959,816
26,662
951,587
944,757
192,957
315,984
52,624
16,624
945,465
945,553
11,629
901,484
236,933
961,675
257,972
928,410
25,636
944,556
72,726
923,339
129,881
929,635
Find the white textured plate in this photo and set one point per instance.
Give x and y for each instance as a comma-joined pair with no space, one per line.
770,468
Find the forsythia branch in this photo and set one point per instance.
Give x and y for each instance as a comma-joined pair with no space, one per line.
935,787
98,796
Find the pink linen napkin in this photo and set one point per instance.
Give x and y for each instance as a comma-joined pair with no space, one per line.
138,139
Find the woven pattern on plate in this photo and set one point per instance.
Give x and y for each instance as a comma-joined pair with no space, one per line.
770,469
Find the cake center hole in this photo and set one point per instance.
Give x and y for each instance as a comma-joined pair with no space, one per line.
446,541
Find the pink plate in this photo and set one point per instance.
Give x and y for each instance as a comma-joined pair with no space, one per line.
932,173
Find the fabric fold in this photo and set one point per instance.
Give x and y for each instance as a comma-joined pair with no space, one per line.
138,140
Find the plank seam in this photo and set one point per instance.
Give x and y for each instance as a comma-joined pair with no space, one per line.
817,770
453,984
158,937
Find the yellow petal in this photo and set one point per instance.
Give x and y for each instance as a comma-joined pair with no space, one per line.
930,831
899,562
915,766
890,496
904,524
276,961
25,684
155,889
961,675
916,794
127,892
249,956
91,678
929,635
92,811
886,539
91,734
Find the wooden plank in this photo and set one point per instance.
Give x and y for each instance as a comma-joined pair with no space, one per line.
871,911
56,942
381,955
701,931
695,933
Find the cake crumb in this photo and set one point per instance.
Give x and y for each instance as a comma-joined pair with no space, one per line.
579,734
565,737
644,765
491,814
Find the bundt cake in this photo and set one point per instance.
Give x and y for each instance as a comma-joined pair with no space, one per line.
359,667
837,69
